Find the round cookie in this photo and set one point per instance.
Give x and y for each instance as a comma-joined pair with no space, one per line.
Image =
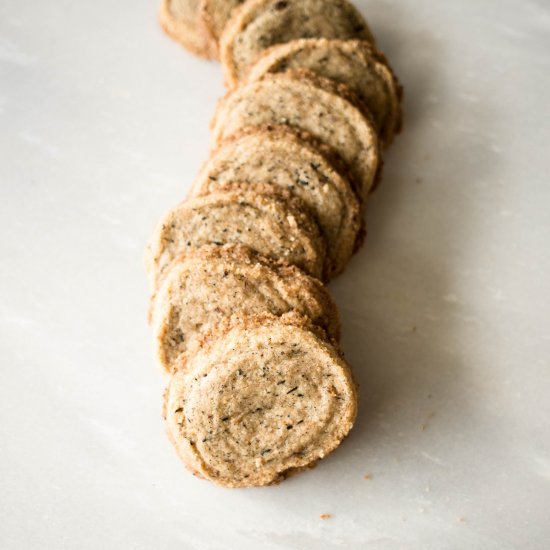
215,14
299,99
282,157
277,225
207,285
352,62
261,399
259,24
180,19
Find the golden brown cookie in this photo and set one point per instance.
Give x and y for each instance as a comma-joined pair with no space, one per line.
259,24
355,63
262,399
275,225
212,283
330,112
180,19
285,158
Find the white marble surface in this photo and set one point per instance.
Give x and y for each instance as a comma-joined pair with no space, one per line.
103,124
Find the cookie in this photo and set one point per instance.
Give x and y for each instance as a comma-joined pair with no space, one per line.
207,285
180,19
262,399
215,14
352,62
259,24
295,161
319,106
276,225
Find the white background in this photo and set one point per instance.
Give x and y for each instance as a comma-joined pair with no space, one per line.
446,311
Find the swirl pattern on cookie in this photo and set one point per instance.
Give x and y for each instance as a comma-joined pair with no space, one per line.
262,400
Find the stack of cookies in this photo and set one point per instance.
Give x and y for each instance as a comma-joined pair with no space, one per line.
243,323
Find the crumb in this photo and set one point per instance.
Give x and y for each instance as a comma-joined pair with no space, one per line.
325,516
461,519
429,416
418,180
413,329
367,476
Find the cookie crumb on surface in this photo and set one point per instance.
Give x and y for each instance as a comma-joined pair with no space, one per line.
325,516
429,416
461,519
367,476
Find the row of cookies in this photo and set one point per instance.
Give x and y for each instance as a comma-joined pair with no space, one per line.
259,388
259,37
242,323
